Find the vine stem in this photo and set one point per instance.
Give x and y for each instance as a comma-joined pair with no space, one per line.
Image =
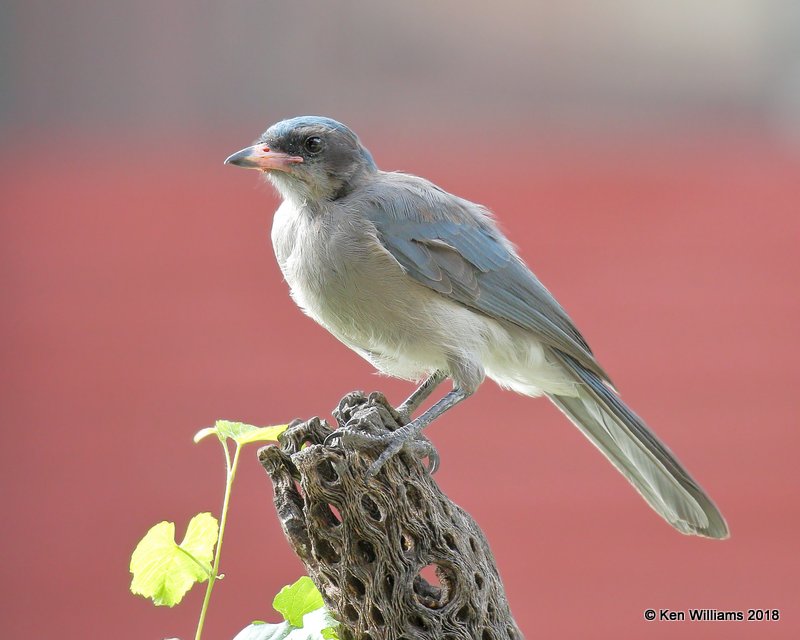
230,467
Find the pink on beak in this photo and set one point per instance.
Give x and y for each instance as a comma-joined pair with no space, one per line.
260,157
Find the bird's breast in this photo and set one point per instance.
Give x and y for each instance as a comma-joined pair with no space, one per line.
341,276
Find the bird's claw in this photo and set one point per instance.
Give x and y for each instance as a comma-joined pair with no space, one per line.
420,446
393,446
393,442
347,435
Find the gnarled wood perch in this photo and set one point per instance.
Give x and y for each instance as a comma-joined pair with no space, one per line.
366,544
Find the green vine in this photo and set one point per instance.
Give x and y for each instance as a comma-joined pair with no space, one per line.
164,570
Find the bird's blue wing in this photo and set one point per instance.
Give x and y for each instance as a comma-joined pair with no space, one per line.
451,247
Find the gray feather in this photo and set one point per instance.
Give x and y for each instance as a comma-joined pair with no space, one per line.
450,245
379,259
636,452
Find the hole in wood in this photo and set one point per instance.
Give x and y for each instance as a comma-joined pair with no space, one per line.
377,616
350,613
473,544
325,552
371,508
331,579
327,472
479,581
433,585
487,635
388,585
366,551
326,515
406,541
450,541
414,497
355,587
429,573
464,614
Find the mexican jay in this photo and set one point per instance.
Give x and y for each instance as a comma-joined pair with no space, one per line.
423,284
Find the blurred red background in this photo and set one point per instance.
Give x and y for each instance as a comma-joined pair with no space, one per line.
142,302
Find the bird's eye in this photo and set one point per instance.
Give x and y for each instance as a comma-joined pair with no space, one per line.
313,144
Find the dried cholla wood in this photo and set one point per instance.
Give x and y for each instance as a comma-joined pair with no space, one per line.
368,545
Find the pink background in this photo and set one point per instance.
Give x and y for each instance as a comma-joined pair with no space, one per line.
142,302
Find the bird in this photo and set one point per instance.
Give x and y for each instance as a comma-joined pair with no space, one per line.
425,286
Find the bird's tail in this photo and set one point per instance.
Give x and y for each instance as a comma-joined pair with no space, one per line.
638,454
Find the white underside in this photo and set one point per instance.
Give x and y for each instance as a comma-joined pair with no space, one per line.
362,296
507,356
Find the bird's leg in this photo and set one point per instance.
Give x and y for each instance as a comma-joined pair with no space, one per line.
420,395
407,433
410,433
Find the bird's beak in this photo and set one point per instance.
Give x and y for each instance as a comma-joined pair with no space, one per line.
260,157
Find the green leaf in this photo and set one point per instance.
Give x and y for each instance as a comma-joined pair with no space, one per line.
262,434
201,537
241,433
203,433
298,599
316,625
164,570
329,633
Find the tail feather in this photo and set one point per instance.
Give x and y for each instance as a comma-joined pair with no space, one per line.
636,452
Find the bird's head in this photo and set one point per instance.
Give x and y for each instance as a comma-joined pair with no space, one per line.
308,158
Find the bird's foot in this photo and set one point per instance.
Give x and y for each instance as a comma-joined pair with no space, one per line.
407,436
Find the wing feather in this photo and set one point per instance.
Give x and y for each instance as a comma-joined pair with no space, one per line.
450,245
